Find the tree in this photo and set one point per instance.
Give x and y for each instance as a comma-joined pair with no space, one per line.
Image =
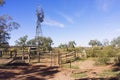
31,42
98,43
92,43
4,36
105,42
2,2
49,43
116,42
6,26
71,44
63,46
22,41
95,43
45,43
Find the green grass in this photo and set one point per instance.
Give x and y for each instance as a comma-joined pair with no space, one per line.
1,65
108,73
102,61
79,75
80,59
104,74
68,66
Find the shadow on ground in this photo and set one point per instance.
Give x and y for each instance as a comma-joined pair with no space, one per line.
24,71
116,67
112,78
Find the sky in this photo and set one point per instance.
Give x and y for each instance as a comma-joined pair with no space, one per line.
66,20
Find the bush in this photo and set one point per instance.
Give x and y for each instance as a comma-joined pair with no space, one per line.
117,60
102,60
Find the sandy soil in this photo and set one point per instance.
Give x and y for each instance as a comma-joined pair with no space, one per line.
43,71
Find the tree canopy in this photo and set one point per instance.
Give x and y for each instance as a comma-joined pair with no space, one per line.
45,43
6,25
2,2
95,43
116,41
71,44
22,41
63,46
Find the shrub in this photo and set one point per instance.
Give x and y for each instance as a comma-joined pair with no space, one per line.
102,60
117,59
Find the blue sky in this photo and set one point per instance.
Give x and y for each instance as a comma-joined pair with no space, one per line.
66,20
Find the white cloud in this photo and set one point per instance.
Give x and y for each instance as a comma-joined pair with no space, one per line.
68,18
117,30
50,22
77,14
103,5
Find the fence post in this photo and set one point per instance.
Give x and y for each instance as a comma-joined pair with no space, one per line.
66,57
23,53
70,63
15,54
54,59
74,54
59,58
38,54
29,55
51,57
1,53
11,54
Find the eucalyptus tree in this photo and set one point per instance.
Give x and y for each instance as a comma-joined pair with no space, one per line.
95,43
116,42
22,41
6,26
2,2
71,44
45,43
99,43
106,42
31,42
63,46
92,43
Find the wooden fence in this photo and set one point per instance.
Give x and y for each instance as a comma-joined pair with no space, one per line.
52,58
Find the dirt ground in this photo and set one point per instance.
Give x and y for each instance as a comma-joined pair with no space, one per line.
42,71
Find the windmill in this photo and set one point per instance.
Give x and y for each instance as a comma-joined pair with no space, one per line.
40,18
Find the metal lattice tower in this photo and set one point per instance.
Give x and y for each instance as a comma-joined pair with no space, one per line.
40,17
